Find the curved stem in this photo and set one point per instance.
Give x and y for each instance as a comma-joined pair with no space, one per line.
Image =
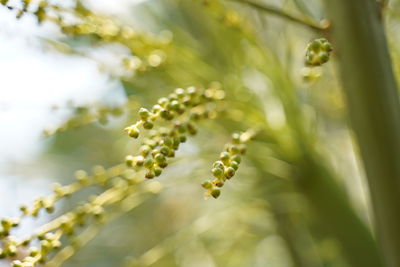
315,26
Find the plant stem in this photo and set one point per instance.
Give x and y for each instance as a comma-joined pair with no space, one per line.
374,109
315,26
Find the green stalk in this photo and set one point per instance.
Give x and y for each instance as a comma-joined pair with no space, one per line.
374,110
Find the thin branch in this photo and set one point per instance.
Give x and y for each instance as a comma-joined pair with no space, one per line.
315,26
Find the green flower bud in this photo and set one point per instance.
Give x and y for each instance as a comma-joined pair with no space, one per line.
327,47
156,108
234,165
182,139
176,143
33,252
148,125
155,152
148,163
315,45
129,160
229,172
165,114
236,158
206,185
234,149
236,138
165,150
171,153
133,131
162,164
192,91
144,114
150,174
218,164
163,101
324,57
224,156
157,171
175,105
139,161
168,141
180,92
215,193
144,150
173,96
159,158
217,172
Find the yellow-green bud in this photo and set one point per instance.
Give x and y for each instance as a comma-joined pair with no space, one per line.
144,114
215,193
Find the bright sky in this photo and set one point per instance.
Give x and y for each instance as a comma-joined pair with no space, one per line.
32,80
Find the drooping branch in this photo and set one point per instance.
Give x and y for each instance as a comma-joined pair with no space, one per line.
313,25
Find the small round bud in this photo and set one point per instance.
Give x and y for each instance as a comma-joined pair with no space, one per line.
144,114
148,163
148,125
175,105
236,138
315,45
229,172
159,158
150,174
218,164
129,160
182,138
163,101
165,114
234,149
180,92
165,150
234,165
156,108
327,47
139,161
162,164
144,150
191,90
224,156
324,57
236,158
168,141
157,171
133,131
206,185
217,172
215,193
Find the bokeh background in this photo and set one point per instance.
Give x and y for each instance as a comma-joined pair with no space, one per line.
67,92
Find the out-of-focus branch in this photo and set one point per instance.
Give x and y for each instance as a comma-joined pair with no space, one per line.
313,25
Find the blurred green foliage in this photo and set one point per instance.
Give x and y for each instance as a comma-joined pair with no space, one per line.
296,198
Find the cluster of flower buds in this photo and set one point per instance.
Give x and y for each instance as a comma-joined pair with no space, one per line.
228,163
120,182
187,107
318,52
